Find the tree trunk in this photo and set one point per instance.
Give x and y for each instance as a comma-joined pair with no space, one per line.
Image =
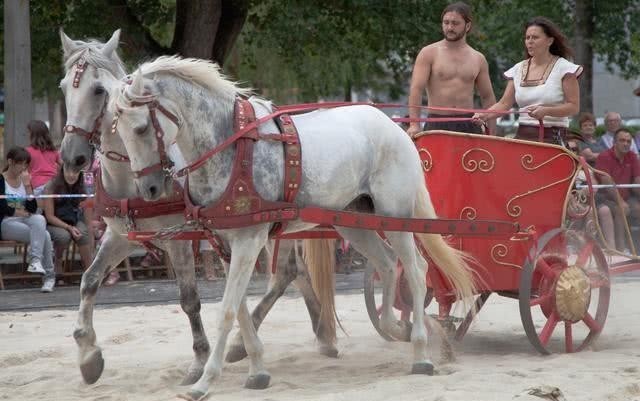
197,23
234,14
583,36
208,29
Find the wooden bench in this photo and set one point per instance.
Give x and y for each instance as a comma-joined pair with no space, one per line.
13,258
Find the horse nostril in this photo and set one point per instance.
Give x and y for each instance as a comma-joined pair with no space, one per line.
152,190
80,161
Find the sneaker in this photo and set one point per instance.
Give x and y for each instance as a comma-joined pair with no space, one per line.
48,285
35,267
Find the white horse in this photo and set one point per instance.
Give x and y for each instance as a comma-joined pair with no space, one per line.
348,154
86,88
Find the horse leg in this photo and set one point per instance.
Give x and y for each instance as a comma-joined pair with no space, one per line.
245,248
324,330
258,376
182,260
113,250
383,259
415,271
277,285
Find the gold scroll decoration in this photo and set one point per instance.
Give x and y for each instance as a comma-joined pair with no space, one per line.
498,253
528,164
483,161
468,213
427,163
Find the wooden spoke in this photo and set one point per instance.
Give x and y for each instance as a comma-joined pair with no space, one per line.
546,270
568,336
548,328
584,255
591,323
540,300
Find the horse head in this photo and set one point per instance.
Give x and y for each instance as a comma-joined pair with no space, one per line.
148,124
92,71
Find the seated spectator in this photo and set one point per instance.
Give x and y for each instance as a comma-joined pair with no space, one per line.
19,221
590,148
45,159
613,122
65,217
624,168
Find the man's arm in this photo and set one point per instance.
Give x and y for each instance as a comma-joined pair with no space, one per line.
419,79
485,90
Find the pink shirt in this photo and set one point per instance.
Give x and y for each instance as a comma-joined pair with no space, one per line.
44,165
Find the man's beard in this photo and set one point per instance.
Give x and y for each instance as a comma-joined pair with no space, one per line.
453,37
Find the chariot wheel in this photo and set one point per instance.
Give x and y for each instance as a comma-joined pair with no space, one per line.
403,302
565,281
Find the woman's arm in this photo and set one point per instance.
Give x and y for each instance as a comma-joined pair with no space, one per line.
505,103
48,207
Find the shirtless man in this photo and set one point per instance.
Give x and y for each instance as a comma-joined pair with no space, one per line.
449,70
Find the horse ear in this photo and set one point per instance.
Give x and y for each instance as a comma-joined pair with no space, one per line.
68,45
137,85
112,44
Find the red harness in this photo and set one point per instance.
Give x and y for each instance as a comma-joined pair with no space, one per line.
136,208
241,205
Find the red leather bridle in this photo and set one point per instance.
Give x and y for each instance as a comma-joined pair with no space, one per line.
165,164
93,136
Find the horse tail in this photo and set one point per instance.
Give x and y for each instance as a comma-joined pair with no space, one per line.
451,262
320,258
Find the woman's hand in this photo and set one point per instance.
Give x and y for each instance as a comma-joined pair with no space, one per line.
537,111
75,233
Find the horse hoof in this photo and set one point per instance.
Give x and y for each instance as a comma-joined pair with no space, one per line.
235,354
328,350
422,368
258,382
191,377
192,396
92,366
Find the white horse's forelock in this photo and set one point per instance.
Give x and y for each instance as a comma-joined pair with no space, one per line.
91,52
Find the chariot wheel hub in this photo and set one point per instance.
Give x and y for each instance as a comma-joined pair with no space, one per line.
573,294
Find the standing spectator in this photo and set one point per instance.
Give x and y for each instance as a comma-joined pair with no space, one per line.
65,217
590,148
18,221
45,159
613,122
624,168
545,84
449,70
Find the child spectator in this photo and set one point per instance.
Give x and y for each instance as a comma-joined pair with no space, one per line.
65,217
45,159
18,221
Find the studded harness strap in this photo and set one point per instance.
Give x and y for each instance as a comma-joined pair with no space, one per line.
136,208
241,205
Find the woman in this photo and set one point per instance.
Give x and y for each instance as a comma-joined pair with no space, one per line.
591,147
45,159
18,221
65,217
545,84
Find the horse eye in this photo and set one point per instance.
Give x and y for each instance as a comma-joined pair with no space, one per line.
99,90
140,130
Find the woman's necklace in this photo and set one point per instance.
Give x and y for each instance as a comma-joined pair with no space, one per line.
543,77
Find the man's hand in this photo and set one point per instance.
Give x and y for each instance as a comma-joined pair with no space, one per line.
413,130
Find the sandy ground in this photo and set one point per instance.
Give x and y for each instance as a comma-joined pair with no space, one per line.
147,350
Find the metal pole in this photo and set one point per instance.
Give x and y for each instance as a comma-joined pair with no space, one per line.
582,186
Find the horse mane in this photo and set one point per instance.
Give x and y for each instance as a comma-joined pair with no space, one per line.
202,72
91,51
